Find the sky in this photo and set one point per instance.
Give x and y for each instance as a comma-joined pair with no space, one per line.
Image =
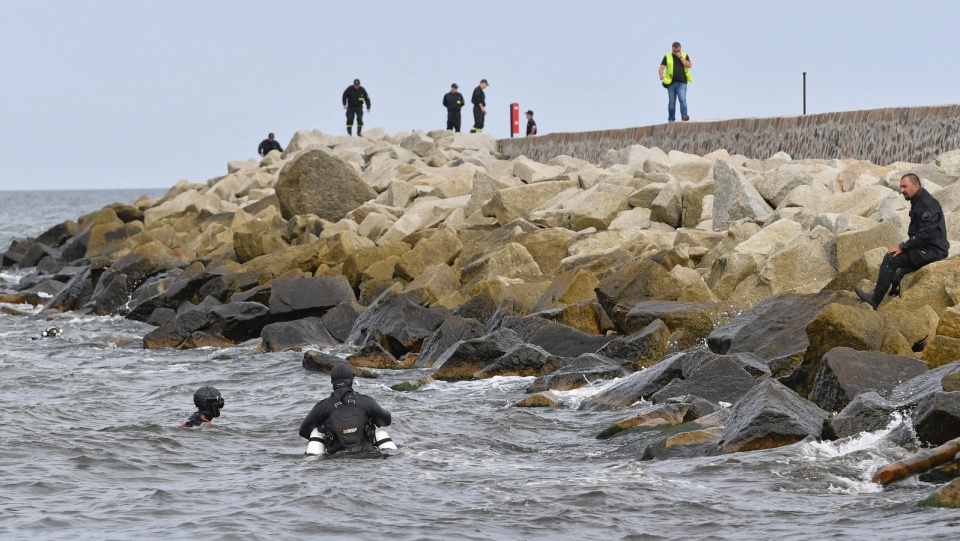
102,94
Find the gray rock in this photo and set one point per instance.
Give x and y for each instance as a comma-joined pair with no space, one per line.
734,198
936,418
295,334
317,182
720,380
771,415
845,373
868,411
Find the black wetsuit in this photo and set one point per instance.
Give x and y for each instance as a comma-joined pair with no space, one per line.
453,101
319,417
267,145
479,99
927,243
355,98
197,419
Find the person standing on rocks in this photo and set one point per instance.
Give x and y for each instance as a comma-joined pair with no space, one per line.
531,124
927,243
267,145
453,101
355,97
479,101
675,74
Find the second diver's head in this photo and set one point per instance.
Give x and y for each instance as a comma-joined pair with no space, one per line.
208,400
342,375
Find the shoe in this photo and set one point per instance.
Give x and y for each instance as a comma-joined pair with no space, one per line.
867,298
685,118
895,290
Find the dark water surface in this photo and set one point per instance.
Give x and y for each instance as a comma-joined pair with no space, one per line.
91,449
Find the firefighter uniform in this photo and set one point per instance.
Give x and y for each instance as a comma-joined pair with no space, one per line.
355,97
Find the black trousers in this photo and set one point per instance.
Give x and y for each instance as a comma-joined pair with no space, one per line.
358,111
453,119
477,119
893,269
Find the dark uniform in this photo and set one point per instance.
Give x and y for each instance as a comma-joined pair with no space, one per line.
348,419
267,145
209,402
479,98
453,101
531,124
927,243
355,97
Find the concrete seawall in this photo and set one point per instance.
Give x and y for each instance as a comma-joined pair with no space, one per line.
881,136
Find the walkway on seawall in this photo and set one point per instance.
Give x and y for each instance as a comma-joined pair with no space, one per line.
880,136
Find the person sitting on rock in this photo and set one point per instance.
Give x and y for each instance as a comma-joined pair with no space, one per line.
348,419
209,402
927,243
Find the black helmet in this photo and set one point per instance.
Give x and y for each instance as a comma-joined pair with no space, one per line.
208,400
341,375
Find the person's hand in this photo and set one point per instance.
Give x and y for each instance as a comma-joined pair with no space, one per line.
895,250
368,109
344,106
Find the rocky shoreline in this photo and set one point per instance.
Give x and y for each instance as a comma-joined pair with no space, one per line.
717,287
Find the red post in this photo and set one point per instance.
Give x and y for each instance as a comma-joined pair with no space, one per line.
514,118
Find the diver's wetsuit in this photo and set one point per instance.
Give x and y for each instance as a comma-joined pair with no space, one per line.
197,419
319,417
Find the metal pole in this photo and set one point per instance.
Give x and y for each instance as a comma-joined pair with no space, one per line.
804,93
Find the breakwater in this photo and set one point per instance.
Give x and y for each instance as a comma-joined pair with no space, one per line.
880,136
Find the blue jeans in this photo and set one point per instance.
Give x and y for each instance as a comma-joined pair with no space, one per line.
674,91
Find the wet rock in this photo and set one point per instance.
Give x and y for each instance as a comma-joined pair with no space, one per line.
340,319
771,415
640,349
637,386
546,399
946,496
845,373
687,442
720,380
110,294
638,281
584,370
665,414
868,411
910,392
231,323
522,360
309,295
464,359
398,323
75,293
587,317
159,316
296,334
412,385
319,361
692,322
555,338
451,331
936,418
373,355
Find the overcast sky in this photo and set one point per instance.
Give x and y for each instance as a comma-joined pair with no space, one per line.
124,93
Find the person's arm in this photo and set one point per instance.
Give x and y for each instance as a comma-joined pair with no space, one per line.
260,149
663,67
314,419
685,60
533,129
280,148
378,415
345,97
367,98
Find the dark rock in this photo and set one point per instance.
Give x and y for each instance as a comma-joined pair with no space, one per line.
150,295
259,294
451,331
586,317
481,307
637,386
204,339
398,323
49,265
555,338
146,260
15,252
941,474
314,295
318,182
340,319
692,321
319,361
640,349
36,252
720,380
910,392
58,234
868,411
936,418
845,372
638,281
45,287
373,355
522,360
546,399
74,294
232,323
111,293
771,415
126,213
224,285
775,329
507,308
159,316
581,371
296,334
462,360
652,418
685,441
205,305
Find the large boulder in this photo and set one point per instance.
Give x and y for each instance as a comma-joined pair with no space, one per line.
691,322
296,334
226,324
912,391
719,380
734,197
454,329
555,338
640,349
936,418
318,182
771,415
523,360
584,370
314,295
637,386
868,411
845,373
637,281
467,357
398,323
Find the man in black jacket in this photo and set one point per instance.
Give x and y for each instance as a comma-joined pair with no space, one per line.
354,99
479,101
927,243
453,101
267,145
347,418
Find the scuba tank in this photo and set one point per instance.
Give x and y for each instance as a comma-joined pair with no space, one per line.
316,446
382,440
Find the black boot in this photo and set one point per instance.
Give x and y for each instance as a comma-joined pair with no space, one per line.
867,298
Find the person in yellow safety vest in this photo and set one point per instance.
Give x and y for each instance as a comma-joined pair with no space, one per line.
675,74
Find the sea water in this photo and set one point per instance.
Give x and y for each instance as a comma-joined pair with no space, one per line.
91,448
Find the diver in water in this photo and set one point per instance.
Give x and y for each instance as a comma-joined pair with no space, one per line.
347,420
51,332
209,402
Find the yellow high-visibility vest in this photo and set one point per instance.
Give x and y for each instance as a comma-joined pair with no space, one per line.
668,73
